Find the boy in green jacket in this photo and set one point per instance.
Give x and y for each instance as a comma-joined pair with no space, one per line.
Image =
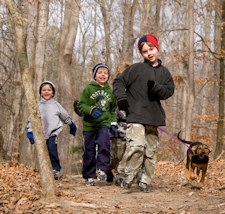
97,105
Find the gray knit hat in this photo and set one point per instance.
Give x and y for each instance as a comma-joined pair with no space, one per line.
100,65
47,82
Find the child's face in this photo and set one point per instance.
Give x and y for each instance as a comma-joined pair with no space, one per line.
102,75
47,92
150,53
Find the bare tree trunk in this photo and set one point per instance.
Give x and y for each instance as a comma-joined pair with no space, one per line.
219,143
157,18
68,35
205,72
184,72
191,89
94,39
129,9
31,35
31,47
42,23
47,179
13,139
146,9
106,13
184,116
217,43
3,152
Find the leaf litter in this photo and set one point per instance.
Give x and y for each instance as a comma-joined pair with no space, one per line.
20,192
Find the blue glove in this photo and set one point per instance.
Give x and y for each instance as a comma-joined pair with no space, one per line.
30,136
113,128
95,113
73,129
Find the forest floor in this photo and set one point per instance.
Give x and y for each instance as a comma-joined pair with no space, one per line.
20,192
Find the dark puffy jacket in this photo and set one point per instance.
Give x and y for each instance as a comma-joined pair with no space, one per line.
144,108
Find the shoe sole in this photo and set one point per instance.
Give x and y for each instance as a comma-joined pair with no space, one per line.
89,185
103,178
126,186
145,191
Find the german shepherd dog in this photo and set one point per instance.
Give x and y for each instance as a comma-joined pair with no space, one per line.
198,158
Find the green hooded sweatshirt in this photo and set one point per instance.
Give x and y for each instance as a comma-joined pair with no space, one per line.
95,95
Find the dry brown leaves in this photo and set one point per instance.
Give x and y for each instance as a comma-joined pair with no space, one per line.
175,172
20,188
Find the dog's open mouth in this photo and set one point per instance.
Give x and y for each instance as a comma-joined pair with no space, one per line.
201,156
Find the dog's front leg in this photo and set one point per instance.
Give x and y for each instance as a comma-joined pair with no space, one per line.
188,168
202,181
192,176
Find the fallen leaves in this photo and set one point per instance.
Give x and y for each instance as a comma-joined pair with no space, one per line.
19,187
20,192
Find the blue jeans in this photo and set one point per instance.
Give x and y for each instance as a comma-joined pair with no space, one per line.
53,153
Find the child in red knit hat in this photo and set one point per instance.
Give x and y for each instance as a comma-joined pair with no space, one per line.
138,91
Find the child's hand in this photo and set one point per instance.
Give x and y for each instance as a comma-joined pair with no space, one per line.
123,105
113,128
73,129
76,109
30,136
96,112
150,84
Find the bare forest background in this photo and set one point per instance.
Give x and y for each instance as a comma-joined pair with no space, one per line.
63,40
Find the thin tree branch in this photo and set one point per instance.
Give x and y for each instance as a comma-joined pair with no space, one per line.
210,50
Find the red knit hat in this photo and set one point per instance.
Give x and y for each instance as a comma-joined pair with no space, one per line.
148,38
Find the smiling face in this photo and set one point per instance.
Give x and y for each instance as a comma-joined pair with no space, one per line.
102,75
46,91
150,53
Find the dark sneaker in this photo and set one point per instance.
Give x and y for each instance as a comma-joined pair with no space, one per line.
110,177
56,174
118,181
101,175
126,185
90,182
143,187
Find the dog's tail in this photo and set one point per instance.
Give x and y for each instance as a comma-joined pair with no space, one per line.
178,137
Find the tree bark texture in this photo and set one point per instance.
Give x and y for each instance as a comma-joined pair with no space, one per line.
106,13
67,39
157,18
32,35
146,9
205,72
190,75
47,179
219,143
129,8
42,23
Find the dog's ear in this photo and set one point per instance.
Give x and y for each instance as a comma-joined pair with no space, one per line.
210,149
207,149
193,148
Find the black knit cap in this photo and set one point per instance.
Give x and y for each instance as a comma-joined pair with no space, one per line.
99,65
50,83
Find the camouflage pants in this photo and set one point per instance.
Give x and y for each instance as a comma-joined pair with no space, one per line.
142,143
118,146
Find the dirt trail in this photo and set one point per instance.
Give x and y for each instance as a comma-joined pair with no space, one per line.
170,193
20,192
